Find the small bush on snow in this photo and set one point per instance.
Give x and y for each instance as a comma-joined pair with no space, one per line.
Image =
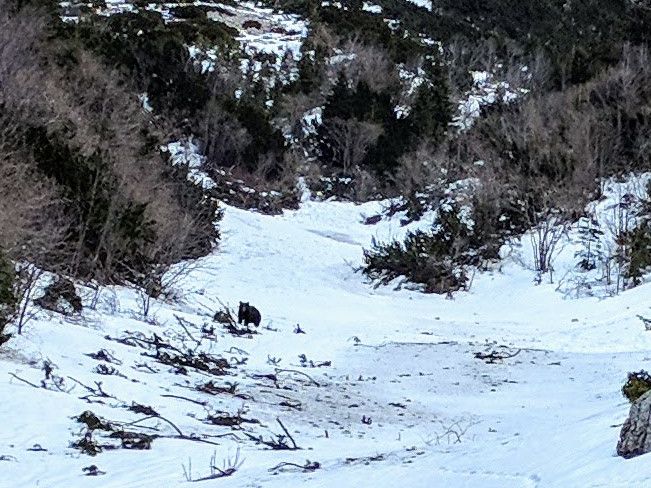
437,259
637,384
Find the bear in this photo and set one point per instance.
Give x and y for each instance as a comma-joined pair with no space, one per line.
248,314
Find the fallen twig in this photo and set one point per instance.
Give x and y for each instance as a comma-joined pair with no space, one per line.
287,432
279,370
156,417
182,323
494,356
24,381
309,466
95,392
203,404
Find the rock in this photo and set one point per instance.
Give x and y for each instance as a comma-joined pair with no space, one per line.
61,297
223,317
372,220
635,437
251,24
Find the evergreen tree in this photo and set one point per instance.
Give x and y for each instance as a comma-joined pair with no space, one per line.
311,67
590,238
7,297
431,111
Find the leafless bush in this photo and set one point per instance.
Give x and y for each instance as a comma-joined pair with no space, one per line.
453,432
32,224
370,64
224,140
545,238
420,169
351,140
229,467
32,220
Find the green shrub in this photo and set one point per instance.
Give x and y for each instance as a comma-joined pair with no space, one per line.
639,246
154,54
437,259
207,33
637,384
188,12
420,259
638,243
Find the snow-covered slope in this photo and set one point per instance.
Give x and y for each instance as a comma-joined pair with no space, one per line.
393,392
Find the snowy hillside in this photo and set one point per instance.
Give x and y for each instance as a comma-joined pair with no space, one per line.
383,387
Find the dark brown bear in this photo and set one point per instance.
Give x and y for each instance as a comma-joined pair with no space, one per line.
248,315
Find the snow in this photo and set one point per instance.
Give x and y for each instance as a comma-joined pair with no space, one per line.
311,120
145,103
547,417
187,152
204,57
411,80
280,35
427,4
485,91
372,8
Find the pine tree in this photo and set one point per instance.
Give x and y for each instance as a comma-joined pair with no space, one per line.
432,111
311,67
590,238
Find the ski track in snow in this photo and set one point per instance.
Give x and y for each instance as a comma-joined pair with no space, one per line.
547,417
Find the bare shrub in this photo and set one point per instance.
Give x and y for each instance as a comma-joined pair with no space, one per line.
371,64
419,169
229,467
545,238
351,140
224,140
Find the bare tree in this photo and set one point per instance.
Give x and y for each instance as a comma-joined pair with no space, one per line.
351,140
371,64
419,169
223,139
292,111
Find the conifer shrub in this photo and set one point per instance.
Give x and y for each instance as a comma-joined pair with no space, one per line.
639,247
637,384
427,120
188,12
471,227
437,259
155,54
7,296
638,243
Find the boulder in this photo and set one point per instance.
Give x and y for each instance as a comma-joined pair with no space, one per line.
61,297
251,24
635,437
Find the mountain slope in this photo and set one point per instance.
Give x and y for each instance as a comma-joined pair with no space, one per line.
439,416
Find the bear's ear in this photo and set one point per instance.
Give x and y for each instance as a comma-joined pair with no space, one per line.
241,304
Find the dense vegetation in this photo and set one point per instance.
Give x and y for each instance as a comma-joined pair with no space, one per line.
84,189
85,108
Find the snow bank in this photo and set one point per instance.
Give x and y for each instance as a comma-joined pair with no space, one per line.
435,416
